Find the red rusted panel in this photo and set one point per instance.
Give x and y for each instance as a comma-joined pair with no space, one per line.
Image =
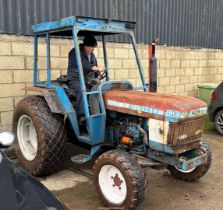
157,101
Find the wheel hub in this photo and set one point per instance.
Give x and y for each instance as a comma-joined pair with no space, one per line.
117,181
112,184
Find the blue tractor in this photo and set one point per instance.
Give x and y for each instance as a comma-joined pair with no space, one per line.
133,130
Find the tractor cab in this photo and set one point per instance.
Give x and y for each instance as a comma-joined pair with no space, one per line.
76,28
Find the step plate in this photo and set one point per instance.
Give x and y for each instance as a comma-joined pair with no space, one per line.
81,158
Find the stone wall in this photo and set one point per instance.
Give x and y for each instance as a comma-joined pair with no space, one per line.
179,69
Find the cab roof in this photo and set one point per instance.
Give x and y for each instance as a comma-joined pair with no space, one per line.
97,26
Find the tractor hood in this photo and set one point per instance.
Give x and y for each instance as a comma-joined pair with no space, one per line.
171,108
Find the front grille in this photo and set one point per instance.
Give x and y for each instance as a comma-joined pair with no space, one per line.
185,132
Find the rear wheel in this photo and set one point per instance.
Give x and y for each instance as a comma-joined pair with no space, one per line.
119,180
196,172
218,122
40,136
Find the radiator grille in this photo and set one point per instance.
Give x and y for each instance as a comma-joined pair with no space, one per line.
185,132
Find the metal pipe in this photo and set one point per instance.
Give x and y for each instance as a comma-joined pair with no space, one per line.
105,56
80,71
138,63
143,132
35,75
153,67
48,60
145,141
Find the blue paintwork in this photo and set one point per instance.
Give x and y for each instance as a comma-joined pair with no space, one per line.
108,85
82,23
68,109
35,59
52,25
103,26
48,64
109,135
169,159
92,92
94,150
160,147
139,64
95,123
168,115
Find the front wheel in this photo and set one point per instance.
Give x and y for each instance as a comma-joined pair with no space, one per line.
119,180
197,172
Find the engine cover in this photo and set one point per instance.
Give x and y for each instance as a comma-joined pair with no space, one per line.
158,106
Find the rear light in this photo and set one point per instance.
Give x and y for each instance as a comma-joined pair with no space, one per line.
213,95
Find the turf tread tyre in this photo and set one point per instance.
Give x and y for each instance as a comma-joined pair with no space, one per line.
197,172
132,172
51,135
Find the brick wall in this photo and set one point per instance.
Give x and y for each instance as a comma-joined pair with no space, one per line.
179,69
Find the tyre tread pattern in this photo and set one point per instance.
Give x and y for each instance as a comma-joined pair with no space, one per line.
51,133
134,171
199,171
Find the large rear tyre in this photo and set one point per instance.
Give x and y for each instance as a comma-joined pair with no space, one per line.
218,122
40,136
119,179
197,172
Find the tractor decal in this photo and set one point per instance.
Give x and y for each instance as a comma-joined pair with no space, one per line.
167,113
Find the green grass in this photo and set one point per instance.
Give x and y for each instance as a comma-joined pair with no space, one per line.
208,126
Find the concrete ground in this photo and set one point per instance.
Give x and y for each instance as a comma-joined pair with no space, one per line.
77,192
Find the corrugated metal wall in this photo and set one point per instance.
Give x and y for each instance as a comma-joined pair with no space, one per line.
196,23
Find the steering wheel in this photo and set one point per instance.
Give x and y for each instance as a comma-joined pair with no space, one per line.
91,80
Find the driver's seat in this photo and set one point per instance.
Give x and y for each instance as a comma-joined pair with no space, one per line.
62,79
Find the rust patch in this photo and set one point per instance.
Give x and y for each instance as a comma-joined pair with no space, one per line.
54,103
117,181
156,101
185,132
36,89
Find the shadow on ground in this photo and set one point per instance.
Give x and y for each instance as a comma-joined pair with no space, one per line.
164,192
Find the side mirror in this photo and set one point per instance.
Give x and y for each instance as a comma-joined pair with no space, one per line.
6,138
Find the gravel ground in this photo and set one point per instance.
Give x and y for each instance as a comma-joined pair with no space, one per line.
77,192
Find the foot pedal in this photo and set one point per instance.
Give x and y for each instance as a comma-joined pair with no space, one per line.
81,158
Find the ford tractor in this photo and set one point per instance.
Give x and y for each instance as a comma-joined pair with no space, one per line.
134,129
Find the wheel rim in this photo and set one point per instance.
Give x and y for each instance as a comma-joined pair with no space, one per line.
187,171
27,137
112,184
219,121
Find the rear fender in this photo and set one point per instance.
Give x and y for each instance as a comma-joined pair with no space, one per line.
51,98
53,102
